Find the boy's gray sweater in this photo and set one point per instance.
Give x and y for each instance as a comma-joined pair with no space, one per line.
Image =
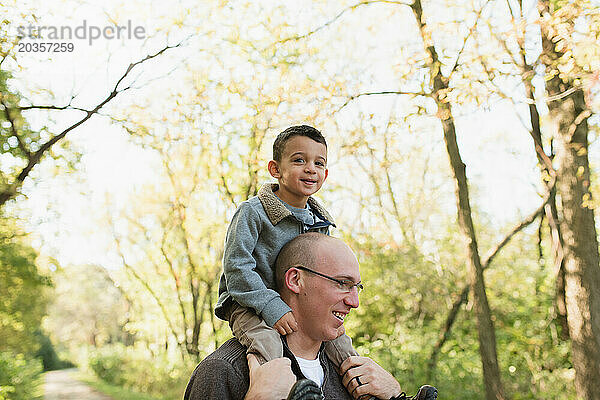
258,230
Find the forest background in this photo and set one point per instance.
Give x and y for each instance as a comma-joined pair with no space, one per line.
463,158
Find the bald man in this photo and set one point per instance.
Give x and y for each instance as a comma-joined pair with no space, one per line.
318,277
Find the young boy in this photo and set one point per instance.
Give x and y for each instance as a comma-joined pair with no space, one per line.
258,230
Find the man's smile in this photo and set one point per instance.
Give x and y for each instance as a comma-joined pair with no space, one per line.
339,315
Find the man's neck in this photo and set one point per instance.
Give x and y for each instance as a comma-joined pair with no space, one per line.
302,346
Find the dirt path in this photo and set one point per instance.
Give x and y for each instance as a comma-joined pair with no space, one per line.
60,385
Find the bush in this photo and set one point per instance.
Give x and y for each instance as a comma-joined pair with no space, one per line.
157,376
50,360
20,378
138,370
108,364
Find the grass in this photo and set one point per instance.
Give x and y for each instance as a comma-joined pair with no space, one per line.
116,392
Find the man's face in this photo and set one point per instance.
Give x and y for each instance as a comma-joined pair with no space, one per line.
301,171
322,304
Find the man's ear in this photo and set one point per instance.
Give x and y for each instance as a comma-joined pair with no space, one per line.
273,168
293,280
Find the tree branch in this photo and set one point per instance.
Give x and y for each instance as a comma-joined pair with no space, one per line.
228,192
177,282
526,222
331,21
356,96
13,129
35,158
467,38
151,291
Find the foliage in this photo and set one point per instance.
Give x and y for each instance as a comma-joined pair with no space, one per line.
400,314
140,370
20,377
108,364
23,288
88,307
116,392
14,155
22,306
50,359
407,298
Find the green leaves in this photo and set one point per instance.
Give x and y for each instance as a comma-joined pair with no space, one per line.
20,378
23,296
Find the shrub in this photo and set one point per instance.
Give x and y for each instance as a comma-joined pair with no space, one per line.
50,359
137,369
20,378
157,376
108,363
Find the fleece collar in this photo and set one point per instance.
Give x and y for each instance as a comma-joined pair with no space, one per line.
275,209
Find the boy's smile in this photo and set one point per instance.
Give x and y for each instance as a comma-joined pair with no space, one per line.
301,171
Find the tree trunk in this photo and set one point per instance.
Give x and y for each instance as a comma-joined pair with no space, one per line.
548,174
582,271
581,259
485,326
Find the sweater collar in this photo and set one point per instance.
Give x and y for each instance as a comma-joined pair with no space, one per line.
296,367
275,209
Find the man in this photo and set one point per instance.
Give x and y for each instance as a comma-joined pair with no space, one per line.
318,277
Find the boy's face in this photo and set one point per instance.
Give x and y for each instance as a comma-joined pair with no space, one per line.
301,171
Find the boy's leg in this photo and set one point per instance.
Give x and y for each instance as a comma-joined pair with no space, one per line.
339,349
255,334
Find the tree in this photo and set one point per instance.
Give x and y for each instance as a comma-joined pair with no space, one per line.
562,59
439,85
569,114
176,249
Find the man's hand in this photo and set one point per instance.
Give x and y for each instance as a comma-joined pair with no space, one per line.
372,378
270,381
286,324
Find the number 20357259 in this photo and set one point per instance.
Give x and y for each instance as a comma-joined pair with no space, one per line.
54,47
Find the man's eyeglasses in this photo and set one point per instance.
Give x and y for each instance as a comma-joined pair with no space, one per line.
345,286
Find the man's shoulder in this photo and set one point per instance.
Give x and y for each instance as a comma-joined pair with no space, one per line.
222,374
231,352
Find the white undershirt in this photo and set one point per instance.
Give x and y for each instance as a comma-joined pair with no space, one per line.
312,369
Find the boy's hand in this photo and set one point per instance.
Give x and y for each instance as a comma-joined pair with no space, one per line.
286,324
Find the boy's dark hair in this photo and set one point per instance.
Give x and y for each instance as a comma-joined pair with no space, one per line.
298,130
